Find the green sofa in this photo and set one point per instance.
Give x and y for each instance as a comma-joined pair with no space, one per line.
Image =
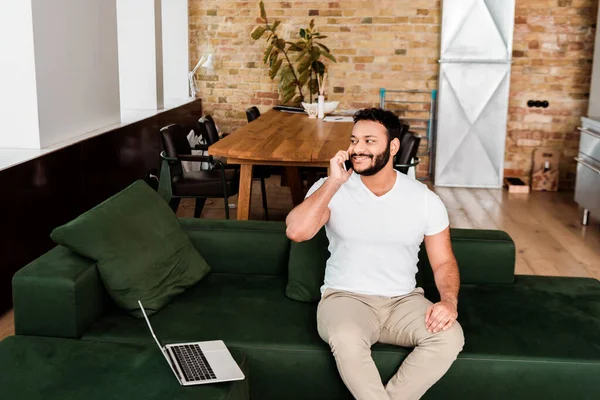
526,336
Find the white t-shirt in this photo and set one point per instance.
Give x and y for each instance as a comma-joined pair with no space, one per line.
374,241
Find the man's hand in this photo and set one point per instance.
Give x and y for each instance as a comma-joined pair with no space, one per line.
336,167
440,316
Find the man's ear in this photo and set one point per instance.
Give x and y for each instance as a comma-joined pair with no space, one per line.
394,146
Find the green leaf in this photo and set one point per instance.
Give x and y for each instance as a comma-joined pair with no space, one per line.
288,94
274,69
313,85
286,69
280,44
303,33
287,78
321,37
273,58
275,25
303,78
328,55
318,67
298,99
257,32
321,45
304,64
312,23
315,53
267,54
296,46
263,13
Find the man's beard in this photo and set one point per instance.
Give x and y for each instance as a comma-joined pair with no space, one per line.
381,161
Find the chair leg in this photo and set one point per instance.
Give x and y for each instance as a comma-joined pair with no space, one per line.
226,200
174,203
263,189
199,206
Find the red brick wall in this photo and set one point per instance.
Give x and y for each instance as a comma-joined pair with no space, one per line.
552,60
395,44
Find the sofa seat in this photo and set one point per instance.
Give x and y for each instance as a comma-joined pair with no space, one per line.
557,342
33,368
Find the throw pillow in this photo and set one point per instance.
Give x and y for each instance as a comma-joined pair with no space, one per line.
141,251
306,268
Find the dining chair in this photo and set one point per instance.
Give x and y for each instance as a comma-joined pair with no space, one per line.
208,130
252,113
407,156
175,183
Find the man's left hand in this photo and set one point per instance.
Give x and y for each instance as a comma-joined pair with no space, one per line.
440,316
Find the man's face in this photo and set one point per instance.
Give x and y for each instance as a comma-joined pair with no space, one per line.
369,147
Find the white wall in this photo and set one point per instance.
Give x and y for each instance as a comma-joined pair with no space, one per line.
175,43
140,53
76,67
18,101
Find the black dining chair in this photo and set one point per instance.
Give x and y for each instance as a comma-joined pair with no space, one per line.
252,113
208,129
175,183
407,156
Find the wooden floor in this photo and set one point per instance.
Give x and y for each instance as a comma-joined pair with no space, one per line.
545,226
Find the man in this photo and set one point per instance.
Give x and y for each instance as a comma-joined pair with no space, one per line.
376,219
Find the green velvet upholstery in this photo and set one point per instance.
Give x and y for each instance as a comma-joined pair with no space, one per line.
306,268
59,294
250,312
141,251
483,256
526,337
253,247
492,260
64,369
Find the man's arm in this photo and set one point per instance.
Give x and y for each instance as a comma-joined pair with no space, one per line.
304,221
442,315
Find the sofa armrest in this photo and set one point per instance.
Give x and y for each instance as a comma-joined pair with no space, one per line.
60,294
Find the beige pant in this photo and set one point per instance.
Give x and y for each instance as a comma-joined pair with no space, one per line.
351,323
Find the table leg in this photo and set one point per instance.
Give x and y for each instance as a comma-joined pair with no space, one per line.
245,192
295,182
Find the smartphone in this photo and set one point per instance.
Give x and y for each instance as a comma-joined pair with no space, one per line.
347,165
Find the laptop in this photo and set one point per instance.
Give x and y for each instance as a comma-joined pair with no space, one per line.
198,363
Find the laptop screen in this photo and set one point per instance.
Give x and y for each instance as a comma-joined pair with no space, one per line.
150,326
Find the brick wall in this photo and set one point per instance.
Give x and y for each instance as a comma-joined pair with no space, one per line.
395,44
552,60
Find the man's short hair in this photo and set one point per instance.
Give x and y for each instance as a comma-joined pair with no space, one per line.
385,117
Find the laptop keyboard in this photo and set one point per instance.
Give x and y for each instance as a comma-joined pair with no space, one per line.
193,363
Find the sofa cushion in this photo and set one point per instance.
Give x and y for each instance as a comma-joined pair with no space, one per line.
306,268
537,317
239,309
141,249
483,256
537,324
62,369
240,247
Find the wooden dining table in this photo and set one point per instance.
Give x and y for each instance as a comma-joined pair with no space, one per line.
285,139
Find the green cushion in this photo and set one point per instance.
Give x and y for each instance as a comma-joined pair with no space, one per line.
499,321
238,309
141,250
240,247
306,268
483,255
542,327
59,294
63,369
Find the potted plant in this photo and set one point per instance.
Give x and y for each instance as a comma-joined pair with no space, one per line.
300,65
